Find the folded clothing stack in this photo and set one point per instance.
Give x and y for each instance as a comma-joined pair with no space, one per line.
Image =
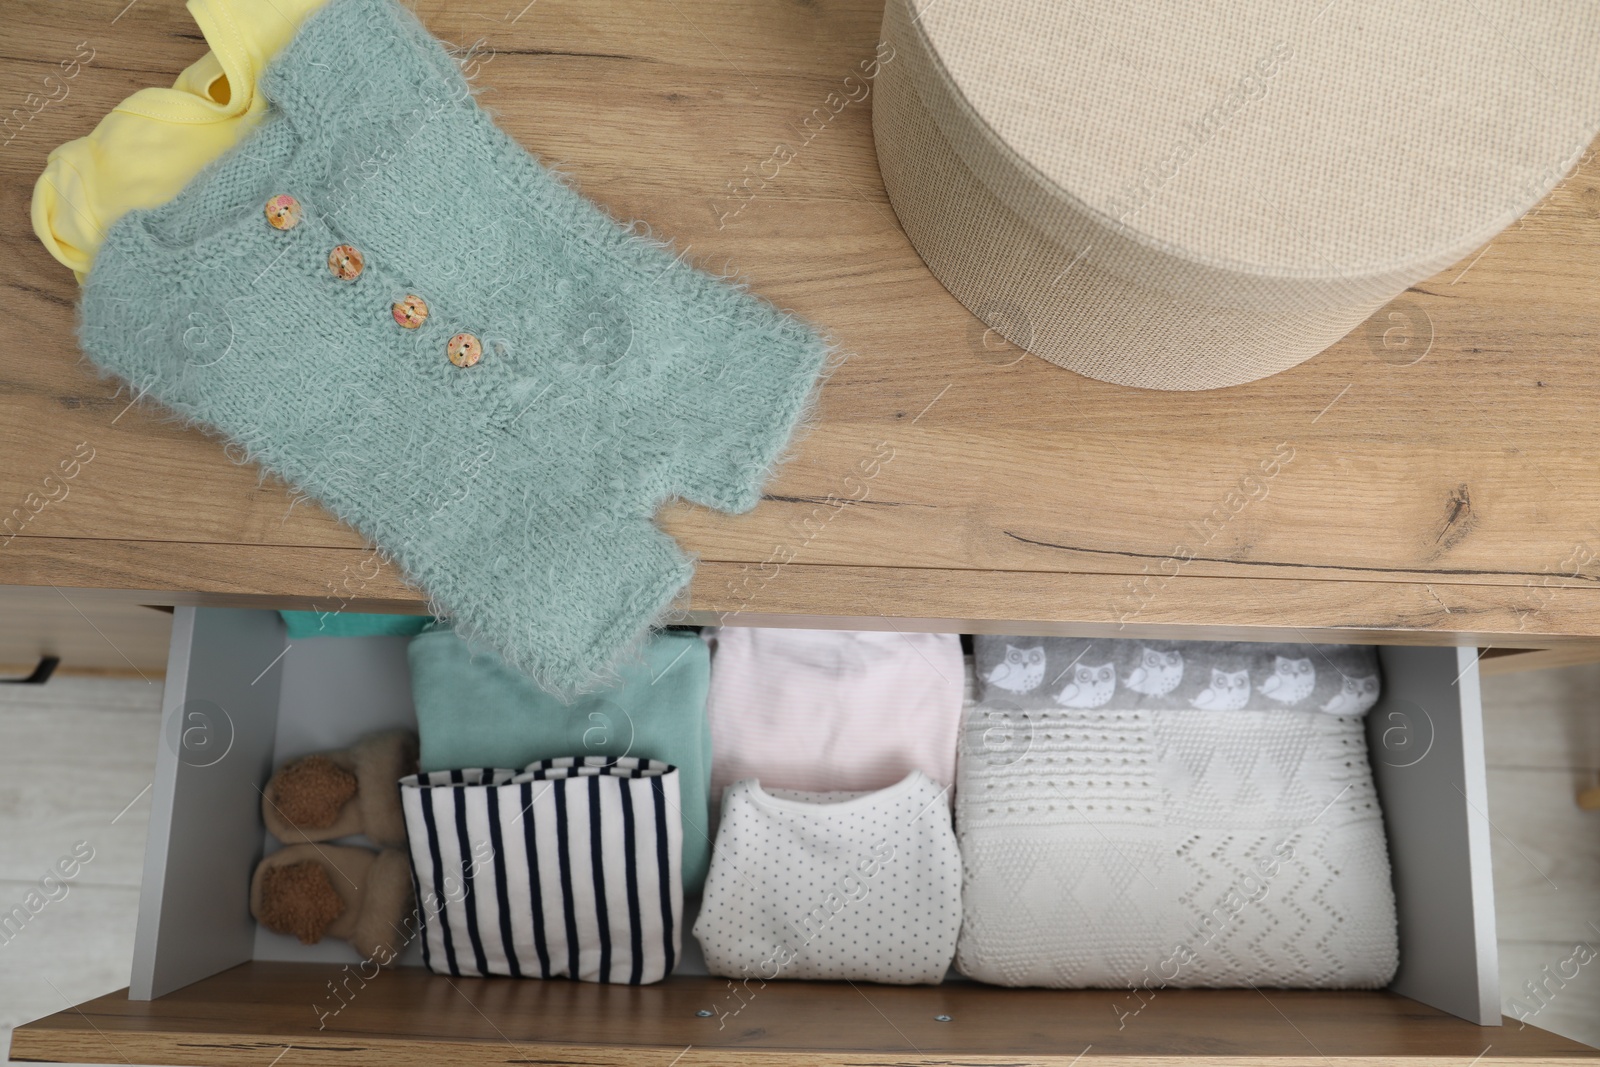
475,710
305,624
567,869
1200,675
833,752
1116,832
829,710
837,885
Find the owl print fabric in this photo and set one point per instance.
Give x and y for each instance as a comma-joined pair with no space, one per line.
1082,673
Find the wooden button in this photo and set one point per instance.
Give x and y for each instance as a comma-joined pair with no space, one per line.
283,212
411,312
464,350
346,262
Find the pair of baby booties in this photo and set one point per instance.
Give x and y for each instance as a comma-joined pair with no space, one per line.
311,890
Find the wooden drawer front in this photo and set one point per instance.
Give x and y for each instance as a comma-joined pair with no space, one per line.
254,1013
209,986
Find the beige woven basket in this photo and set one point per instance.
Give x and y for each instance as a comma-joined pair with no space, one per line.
1194,195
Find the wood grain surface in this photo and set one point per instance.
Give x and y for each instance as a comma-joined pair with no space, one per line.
1433,477
115,639
258,1011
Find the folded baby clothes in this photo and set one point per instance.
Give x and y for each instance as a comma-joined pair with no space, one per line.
1075,672
382,298
303,624
1125,845
473,710
567,869
825,710
833,886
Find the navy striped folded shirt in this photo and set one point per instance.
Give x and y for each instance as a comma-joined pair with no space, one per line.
570,868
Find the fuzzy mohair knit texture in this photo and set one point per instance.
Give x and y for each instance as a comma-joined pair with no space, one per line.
517,493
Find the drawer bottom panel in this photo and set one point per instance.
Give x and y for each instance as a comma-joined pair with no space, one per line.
315,1014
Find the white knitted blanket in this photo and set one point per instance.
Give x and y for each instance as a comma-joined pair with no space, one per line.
1152,848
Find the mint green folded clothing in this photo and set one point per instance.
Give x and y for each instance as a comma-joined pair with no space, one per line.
352,624
474,710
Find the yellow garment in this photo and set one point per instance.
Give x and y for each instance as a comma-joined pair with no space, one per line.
145,151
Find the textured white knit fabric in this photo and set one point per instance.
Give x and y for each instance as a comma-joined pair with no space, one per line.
824,710
1172,848
859,886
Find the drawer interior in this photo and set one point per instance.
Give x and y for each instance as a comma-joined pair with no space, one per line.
241,698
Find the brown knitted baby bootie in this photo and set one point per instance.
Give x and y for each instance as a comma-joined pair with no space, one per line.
299,899
347,791
311,892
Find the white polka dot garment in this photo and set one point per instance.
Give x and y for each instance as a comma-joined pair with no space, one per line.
861,886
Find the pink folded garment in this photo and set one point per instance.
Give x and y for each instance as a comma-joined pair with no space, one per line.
827,710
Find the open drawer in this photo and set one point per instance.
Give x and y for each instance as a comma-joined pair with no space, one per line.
209,987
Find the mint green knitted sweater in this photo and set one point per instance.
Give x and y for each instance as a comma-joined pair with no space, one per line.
519,492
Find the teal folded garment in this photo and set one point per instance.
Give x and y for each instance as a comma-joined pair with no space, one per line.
473,710
352,624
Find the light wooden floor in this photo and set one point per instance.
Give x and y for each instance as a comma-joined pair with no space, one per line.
1542,735
76,757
